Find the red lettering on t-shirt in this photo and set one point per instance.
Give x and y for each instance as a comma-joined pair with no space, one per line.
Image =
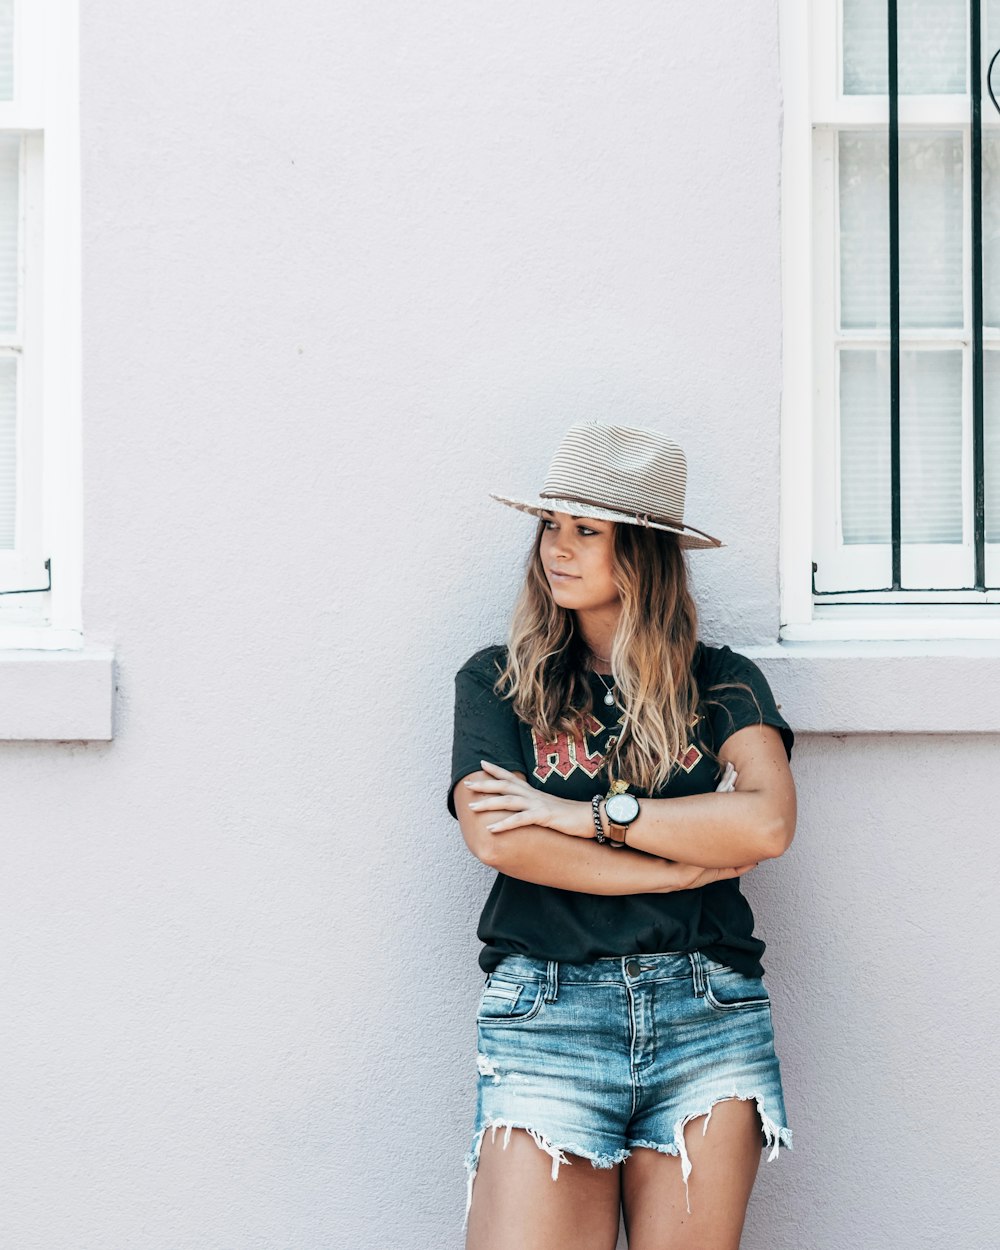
590,764
690,757
551,756
564,754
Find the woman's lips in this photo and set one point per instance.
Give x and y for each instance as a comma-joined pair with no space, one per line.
563,577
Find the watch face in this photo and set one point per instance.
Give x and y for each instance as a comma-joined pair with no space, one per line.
622,808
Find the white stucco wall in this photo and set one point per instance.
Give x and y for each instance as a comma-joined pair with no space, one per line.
347,268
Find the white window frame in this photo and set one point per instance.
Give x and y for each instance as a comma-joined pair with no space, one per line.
814,107
45,111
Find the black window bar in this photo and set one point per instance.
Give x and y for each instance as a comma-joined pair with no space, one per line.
978,455
978,432
894,457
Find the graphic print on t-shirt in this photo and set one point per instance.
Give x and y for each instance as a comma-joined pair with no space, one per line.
563,755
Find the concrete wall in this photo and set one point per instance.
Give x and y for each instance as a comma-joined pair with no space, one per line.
347,268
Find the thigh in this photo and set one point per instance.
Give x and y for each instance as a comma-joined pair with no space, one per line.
724,1162
710,1097
516,1205
552,1103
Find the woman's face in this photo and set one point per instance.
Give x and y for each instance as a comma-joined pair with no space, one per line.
576,554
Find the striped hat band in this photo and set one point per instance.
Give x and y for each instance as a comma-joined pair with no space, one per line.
632,475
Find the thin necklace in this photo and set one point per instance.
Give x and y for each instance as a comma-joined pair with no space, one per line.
609,698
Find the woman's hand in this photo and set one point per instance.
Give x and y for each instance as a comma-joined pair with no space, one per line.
691,877
528,806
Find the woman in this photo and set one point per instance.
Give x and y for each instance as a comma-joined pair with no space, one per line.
624,1008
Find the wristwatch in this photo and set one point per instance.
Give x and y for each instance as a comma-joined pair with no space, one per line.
621,809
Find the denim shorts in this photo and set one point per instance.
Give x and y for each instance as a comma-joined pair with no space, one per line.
599,1058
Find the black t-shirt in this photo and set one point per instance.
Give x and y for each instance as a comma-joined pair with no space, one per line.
549,923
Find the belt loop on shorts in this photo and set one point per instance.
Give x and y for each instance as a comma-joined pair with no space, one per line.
552,981
698,973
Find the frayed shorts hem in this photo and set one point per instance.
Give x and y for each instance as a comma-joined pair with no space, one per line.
774,1136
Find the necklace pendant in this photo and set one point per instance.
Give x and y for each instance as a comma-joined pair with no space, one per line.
609,699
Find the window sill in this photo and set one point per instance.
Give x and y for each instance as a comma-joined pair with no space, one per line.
869,686
57,695
896,622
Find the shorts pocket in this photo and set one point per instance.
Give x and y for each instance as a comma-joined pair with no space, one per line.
507,1000
729,990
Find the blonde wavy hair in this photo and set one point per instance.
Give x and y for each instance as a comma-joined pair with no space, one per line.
545,675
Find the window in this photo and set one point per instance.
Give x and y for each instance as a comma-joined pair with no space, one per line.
891,240
40,493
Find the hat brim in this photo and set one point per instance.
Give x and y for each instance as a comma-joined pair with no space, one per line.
686,537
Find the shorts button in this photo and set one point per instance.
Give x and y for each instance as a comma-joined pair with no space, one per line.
633,968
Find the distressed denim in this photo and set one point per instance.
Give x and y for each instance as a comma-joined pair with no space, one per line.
597,1059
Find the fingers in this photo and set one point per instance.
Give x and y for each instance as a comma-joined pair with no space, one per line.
495,769
725,874
511,822
494,786
693,877
503,802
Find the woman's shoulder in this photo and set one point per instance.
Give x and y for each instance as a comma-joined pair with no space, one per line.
487,661
725,668
476,692
737,693
717,663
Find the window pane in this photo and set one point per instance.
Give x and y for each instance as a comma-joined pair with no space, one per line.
991,421
932,40
864,230
864,447
930,446
6,49
8,450
930,230
10,153
991,226
990,43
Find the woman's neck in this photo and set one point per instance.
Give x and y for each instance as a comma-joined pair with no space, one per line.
597,632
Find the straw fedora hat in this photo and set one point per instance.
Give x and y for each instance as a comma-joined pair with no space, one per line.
622,473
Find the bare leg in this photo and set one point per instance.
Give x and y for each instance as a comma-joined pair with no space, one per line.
516,1205
724,1165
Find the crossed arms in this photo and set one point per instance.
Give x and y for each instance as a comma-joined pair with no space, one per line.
674,844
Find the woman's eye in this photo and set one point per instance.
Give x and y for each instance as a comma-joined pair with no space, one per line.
582,529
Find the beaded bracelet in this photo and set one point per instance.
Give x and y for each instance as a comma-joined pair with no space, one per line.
595,804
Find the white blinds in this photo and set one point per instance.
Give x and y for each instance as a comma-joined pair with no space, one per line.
6,49
932,47
937,396
991,405
10,149
930,446
991,228
930,230
930,298
10,162
8,449
864,446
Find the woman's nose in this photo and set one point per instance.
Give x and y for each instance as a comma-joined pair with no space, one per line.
560,548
